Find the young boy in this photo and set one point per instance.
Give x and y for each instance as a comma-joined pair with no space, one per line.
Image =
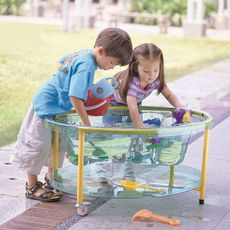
67,88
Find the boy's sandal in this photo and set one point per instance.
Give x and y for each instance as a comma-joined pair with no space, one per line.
49,188
47,196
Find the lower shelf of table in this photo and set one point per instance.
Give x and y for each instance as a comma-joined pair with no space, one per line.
171,180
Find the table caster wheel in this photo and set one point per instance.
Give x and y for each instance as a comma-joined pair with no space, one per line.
83,209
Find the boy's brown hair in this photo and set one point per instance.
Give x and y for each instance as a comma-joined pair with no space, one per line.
116,43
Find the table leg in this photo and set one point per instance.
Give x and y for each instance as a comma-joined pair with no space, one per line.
81,142
55,150
171,177
204,165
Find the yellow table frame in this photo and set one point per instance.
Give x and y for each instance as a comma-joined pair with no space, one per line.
81,137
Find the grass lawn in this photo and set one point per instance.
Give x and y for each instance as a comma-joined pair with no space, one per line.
29,54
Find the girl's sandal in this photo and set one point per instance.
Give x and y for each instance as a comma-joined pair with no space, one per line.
47,196
49,188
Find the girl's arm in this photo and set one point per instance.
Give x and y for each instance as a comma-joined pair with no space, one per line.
79,106
133,111
171,97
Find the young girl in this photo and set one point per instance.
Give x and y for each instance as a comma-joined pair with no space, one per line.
144,74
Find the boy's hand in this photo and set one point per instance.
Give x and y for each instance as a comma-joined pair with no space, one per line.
79,107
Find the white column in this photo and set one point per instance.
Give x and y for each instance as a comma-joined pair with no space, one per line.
65,8
83,16
220,8
223,20
195,25
87,12
78,14
228,8
227,15
124,5
87,4
190,10
78,6
200,10
35,7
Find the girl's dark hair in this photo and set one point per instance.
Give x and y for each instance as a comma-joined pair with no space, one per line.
148,51
116,43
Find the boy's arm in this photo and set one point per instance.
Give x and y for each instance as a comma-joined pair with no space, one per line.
171,97
133,111
79,106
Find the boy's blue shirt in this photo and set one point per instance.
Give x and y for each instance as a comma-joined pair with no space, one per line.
53,97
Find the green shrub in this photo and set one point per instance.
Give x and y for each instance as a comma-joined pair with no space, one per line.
210,6
175,9
159,6
8,7
170,8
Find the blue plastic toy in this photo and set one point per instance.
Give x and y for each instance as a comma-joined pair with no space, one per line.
154,121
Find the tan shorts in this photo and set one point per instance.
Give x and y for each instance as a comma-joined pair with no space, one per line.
33,147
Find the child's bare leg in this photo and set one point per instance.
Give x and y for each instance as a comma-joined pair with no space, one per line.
47,184
49,171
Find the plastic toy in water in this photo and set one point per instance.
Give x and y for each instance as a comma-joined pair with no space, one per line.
182,116
128,171
146,216
74,159
132,185
135,147
154,121
98,152
157,142
171,155
186,118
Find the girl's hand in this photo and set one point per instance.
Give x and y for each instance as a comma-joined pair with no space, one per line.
182,115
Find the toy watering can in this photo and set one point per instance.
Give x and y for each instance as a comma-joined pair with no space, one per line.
97,106
103,89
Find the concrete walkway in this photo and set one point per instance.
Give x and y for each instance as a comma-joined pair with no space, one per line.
205,89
